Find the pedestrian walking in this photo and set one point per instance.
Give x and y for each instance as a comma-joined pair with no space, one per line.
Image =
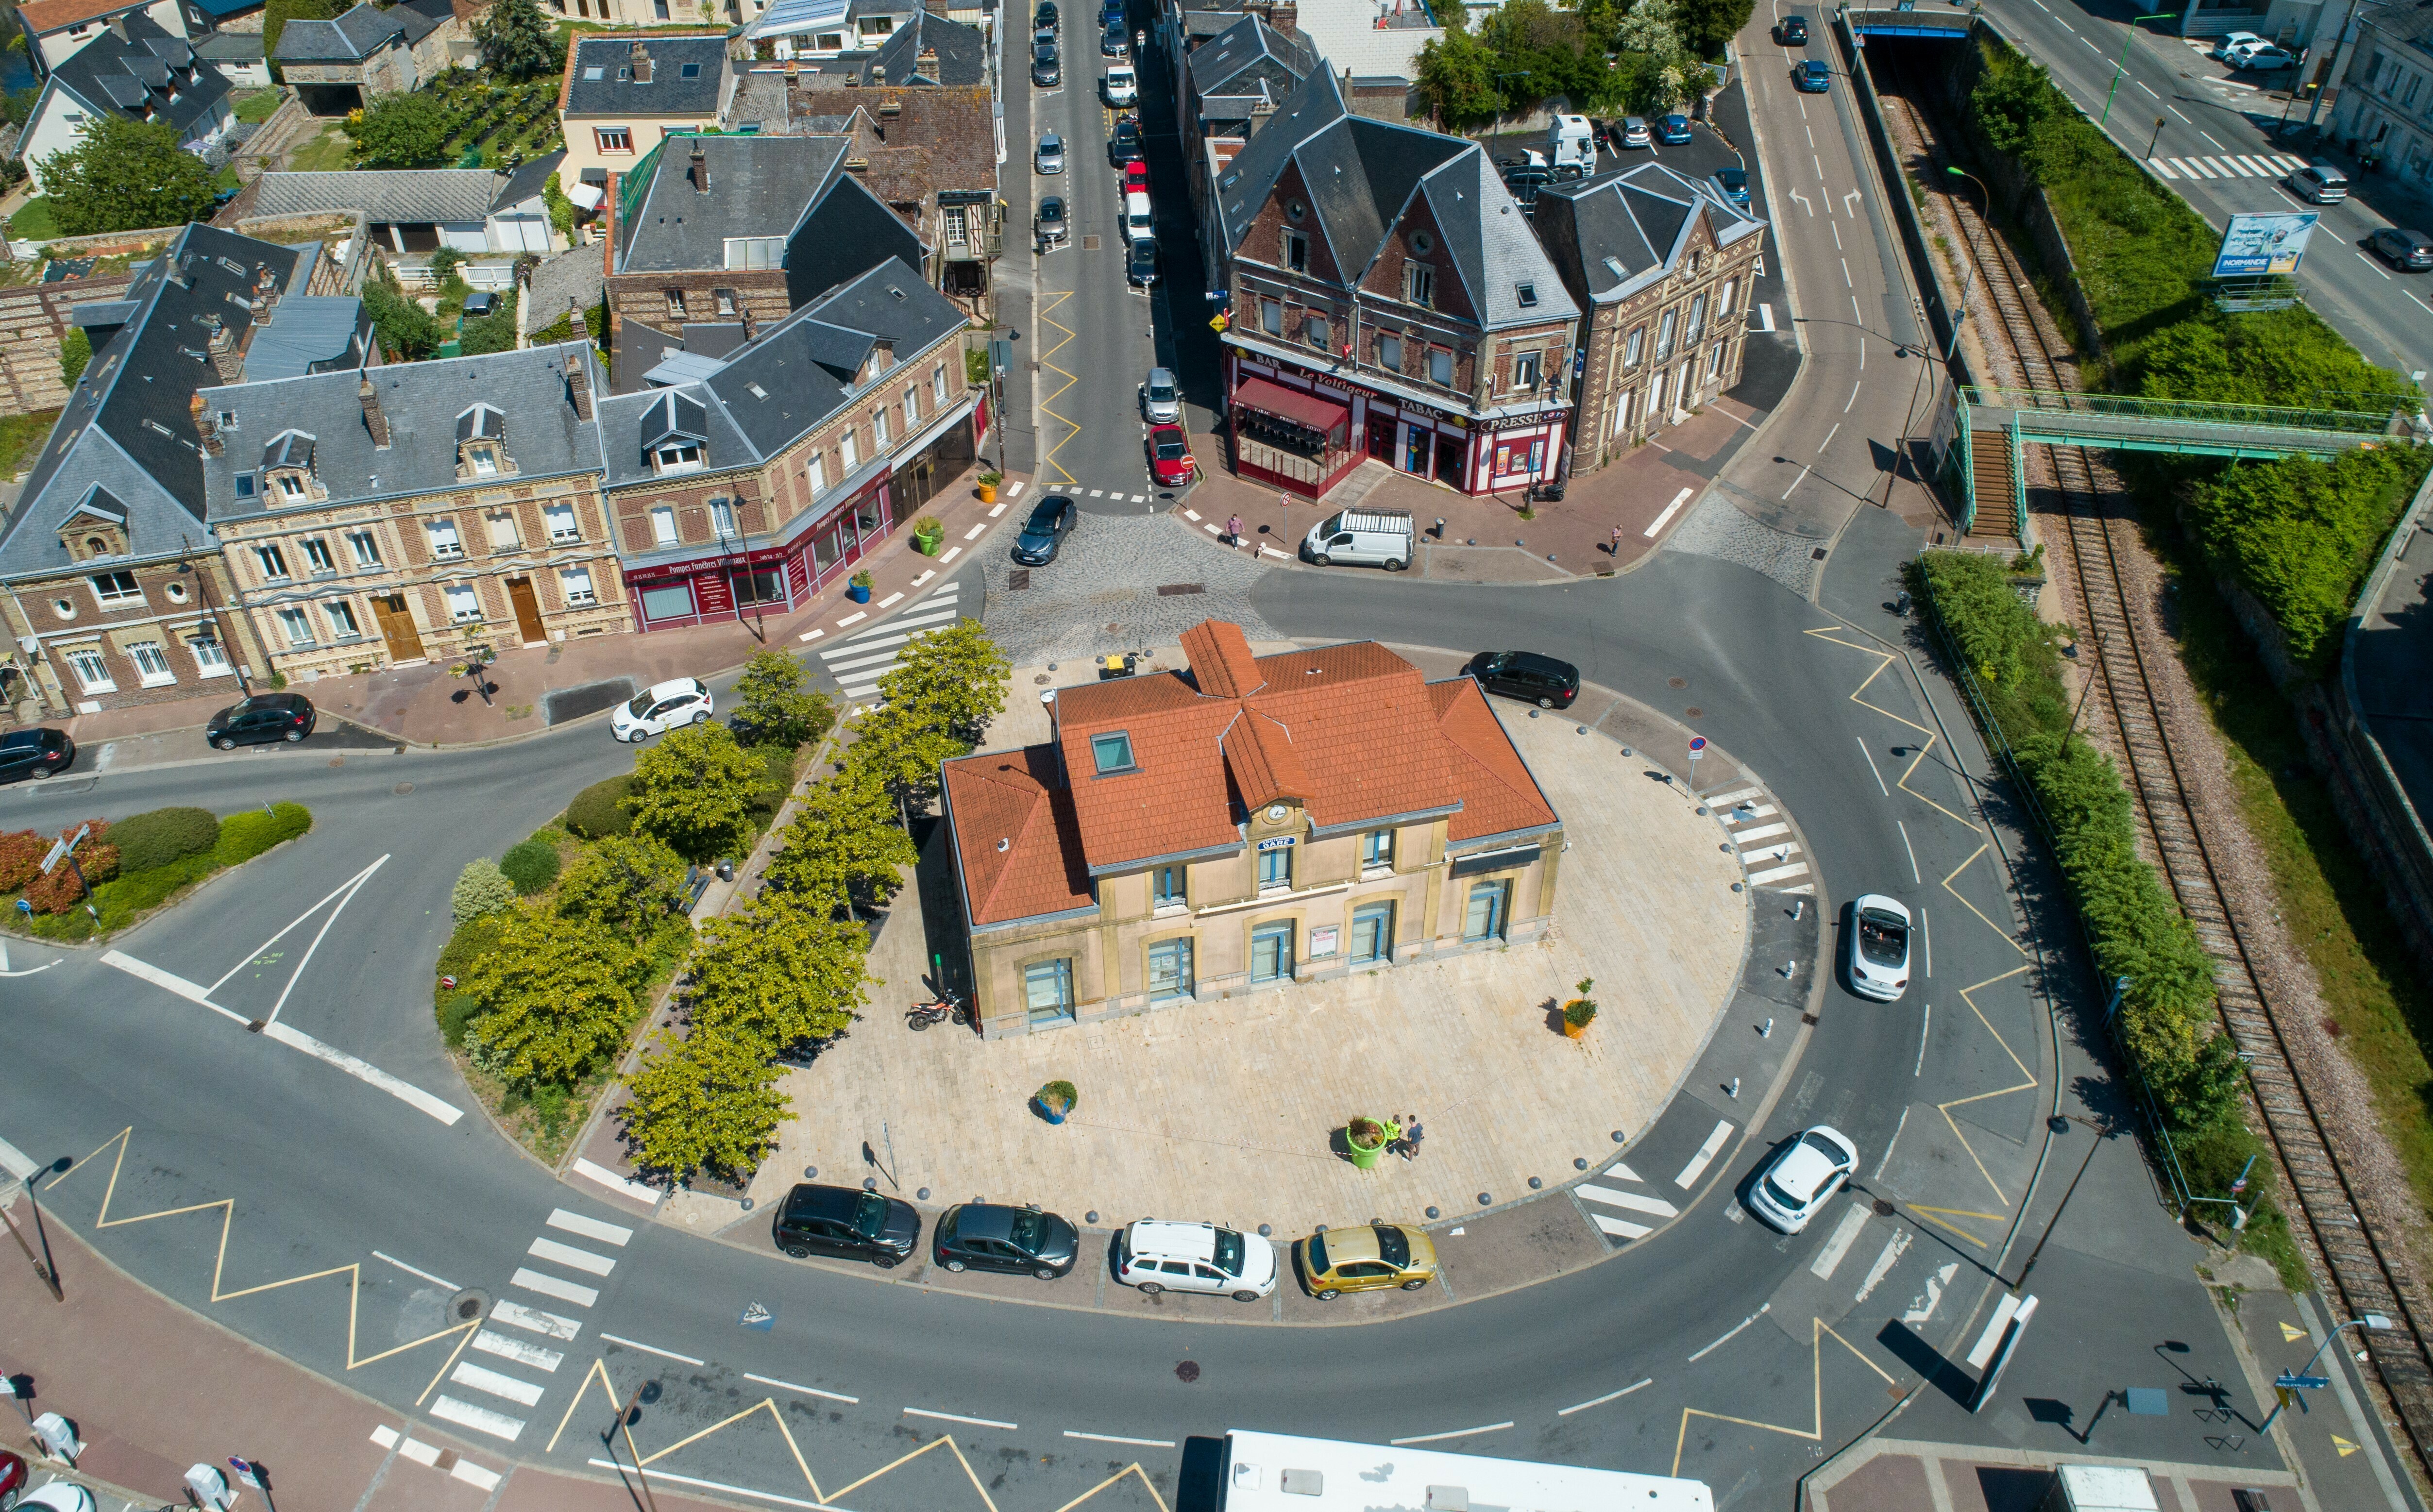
1234,531
1615,549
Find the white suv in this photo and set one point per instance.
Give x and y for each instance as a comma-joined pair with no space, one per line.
1162,1254
661,707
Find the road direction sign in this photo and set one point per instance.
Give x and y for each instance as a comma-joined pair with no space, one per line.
2302,1383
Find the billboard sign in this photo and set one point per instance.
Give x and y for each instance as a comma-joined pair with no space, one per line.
2263,244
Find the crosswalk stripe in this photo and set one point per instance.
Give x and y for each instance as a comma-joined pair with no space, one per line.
2163,166
1809,888
1706,1153
1761,878
616,1233
566,1254
533,1320
937,606
1619,1228
482,1378
1733,798
1617,1168
517,1350
1845,1234
2238,166
565,1291
2204,170
1743,816
1759,832
878,654
2294,165
481,1419
2263,168
1634,1201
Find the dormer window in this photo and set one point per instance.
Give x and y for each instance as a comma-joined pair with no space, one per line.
287,467
481,434
484,459
678,456
672,432
291,484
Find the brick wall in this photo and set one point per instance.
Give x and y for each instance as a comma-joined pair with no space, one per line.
33,323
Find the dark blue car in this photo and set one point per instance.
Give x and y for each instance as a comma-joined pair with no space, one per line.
1734,183
1810,78
1043,534
1674,129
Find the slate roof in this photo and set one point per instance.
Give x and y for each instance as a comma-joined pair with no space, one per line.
1352,733
354,36
308,334
528,182
572,279
424,403
599,74
1364,174
127,427
763,186
1641,218
396,196
1248,58
961,54
229,47
802,368
123,74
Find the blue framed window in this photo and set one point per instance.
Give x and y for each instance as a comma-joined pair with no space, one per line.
1112,752
1377,848
1373,933
1275,867
1048,991
1165,888
1170,970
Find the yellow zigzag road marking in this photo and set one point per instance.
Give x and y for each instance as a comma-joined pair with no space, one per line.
1919,754
1047,458
599,1371
1979,912
353,1271
2029,1085
1816,1435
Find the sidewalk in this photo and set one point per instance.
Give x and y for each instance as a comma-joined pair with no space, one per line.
154,1388
424,706
1484,539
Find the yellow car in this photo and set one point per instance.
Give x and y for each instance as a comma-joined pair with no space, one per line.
1370,1257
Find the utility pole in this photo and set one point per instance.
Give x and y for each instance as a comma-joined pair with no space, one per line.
2122,66
2330,76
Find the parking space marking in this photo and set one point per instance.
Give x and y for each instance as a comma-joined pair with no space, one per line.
1114,1438
1610,1396
1457,1433
653,1348
955,1417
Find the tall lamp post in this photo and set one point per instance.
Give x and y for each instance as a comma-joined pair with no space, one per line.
1973,257
2122,66
2369,1320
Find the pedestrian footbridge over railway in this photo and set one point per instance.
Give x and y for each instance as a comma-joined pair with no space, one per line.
1985,433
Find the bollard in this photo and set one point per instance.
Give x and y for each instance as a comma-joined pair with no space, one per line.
1767,1032
1734,1090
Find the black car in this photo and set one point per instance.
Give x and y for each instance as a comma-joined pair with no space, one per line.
1045,17
2409,251
1141,266
992,1236
1046,71
1043,534
37,754
480,303
1113,43
1541,680
1125,145
264,717
1791,30
848,1224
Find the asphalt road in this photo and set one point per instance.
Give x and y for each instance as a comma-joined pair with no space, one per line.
2210,113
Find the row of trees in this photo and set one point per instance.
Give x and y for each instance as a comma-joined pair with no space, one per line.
1603,58
785,972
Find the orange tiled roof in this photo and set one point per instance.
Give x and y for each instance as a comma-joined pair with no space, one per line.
50,15
1498,795
1017,798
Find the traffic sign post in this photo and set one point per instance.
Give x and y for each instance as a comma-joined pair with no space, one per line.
1698,749
256,1474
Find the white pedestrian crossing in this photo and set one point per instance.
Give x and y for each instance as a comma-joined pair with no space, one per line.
481,1419
1654,1210
2228,165
1769,857
858,662
523,1353
570,1257
517,1350
547,1285
482,1378
616,1233
515,1314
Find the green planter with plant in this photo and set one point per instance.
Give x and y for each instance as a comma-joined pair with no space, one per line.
1365,1138
929,535
988,483
1054,1100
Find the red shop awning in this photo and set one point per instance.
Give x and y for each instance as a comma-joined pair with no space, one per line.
1308,411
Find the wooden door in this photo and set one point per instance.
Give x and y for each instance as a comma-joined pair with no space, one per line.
519,593
396,627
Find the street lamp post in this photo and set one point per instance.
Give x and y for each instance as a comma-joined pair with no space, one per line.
2369,1320
1973,259
2122,66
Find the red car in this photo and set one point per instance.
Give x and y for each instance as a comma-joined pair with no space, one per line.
1136,178
1169,455
13,1478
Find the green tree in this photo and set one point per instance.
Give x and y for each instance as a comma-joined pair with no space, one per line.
517,42
75,352
554,1000
1706,25
706,1103
695,790
404,130
843,845
1656,69
19,107
625,884
407,331
953,678
2012,98
770,699
1458,79
779,974
126,175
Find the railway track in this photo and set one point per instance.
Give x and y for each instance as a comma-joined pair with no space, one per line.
2357,1249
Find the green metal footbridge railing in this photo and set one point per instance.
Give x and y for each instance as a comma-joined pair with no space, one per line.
2114,422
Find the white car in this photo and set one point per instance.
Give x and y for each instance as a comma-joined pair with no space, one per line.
1161,1254
2263,59
1879,948
661,707
1801,1176
58,1496
2232,42
1122,86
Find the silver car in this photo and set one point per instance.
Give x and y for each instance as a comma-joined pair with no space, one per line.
1160,401
1051,158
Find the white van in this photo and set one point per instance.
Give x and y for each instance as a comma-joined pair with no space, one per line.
1570,142
1363,537
1136,227
1122,86
2319,184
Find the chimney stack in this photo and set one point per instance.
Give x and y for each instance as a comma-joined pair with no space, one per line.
641,63
700,166
578,388
118,26
375,419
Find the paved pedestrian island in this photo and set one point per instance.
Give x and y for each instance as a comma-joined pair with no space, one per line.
1227,1110
1897,1475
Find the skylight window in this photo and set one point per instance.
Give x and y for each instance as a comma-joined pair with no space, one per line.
1528,293
692,71
1112,752
1614,265
595,73
755,391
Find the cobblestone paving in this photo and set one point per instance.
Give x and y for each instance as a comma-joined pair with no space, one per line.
1100,593
1716,528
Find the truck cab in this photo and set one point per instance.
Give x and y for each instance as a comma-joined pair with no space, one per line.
1571,143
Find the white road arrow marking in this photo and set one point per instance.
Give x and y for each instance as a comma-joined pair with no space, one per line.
1922,1308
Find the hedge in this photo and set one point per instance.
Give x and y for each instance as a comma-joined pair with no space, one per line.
245,836
599,811
134,890
159,835
531,865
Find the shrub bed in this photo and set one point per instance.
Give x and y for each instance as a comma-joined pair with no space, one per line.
123,890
